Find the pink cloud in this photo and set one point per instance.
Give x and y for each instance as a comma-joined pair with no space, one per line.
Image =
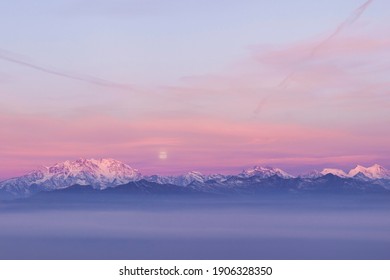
323,101
205,144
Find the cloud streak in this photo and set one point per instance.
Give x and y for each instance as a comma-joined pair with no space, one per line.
351,19
189,142
5,56
348,22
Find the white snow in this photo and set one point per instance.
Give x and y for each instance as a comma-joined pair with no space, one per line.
104,173
264,172
373,172
100,173
334,171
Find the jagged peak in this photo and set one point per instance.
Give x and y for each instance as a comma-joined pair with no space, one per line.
334,171
375,171
196,173
108,172
377,166
193,176
100,173
88,162
265,171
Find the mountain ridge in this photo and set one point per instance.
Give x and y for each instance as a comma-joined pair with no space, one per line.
108,173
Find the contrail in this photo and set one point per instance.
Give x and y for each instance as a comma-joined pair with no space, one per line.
348,22
78,77
351,19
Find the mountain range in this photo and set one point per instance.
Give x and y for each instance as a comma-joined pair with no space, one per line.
102,174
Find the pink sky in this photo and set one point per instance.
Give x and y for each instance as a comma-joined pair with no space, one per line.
301,104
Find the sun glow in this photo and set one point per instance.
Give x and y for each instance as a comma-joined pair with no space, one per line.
162,155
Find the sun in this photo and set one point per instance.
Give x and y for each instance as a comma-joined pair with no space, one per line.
162,155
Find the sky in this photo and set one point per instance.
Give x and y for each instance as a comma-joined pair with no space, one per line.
213,86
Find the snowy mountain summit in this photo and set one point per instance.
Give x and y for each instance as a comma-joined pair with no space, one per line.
181,180
373,172
99,173
264,172
109,173
337,172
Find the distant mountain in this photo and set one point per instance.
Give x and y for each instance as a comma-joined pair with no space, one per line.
100,174
374,172
264,172
337,172
235,186
181,180
109,174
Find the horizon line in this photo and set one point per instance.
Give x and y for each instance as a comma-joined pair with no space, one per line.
243,169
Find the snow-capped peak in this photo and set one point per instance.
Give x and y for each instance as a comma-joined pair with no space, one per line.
334,171
373,172
190,177
107,168
264,172
104,173
181,180
100,173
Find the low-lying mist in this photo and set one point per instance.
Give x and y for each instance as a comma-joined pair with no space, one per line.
274,227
